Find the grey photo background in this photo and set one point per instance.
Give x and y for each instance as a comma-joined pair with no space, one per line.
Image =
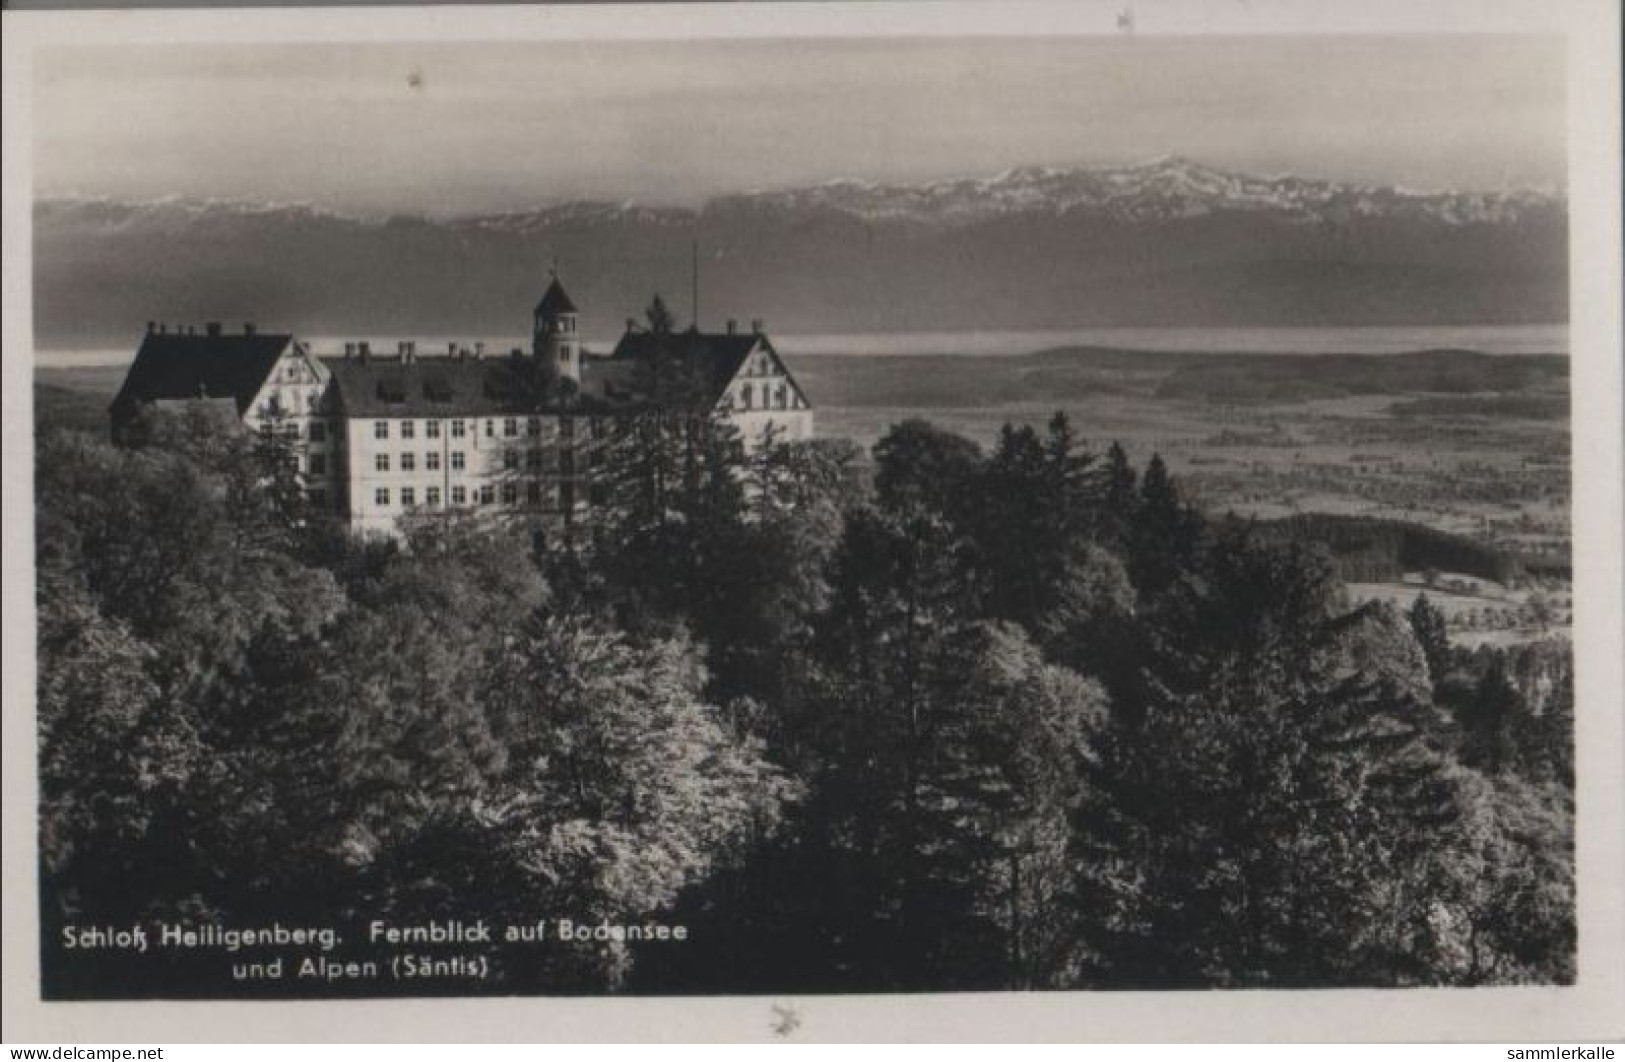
487,128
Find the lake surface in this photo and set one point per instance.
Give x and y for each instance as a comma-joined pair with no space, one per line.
1490,339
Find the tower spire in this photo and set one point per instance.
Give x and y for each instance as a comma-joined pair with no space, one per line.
556,335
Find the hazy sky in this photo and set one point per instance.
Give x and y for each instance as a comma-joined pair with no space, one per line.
477,127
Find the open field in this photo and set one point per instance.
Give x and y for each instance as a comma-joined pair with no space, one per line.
1461,442
1456,441
1479,611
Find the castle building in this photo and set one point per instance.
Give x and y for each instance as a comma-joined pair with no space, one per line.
379,436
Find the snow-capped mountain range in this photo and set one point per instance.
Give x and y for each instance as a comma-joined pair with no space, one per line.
1165,189
1166,242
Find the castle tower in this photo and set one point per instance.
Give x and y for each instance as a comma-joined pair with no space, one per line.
556,334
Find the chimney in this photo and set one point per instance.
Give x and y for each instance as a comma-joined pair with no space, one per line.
364,349
733,327
152,326
248,328
191,330
756,326
451,349
213,328
349,350
631,324
479,349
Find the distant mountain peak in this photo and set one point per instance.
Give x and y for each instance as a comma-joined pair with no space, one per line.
1173,162
1166,188
1163,241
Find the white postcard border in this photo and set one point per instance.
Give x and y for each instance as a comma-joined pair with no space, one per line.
1591,1008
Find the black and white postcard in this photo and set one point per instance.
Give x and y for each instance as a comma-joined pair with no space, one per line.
916,518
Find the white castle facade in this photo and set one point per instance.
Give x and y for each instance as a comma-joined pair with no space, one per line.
379,436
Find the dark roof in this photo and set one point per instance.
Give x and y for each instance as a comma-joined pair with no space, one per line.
608,380
715,357
507,385
442,386
555,301
177,366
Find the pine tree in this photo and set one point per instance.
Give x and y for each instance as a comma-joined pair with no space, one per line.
660,319
1164,533
1264,815
920,466
950,755
1119,500
1433,634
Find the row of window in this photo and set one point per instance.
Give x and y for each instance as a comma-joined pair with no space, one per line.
535,493
779,399
532,426
278,403
290,429
409,462
533,461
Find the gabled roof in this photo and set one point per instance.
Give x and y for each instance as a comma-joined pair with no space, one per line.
714,357
177,367
555,301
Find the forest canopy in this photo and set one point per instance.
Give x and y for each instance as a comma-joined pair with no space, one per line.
928,718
